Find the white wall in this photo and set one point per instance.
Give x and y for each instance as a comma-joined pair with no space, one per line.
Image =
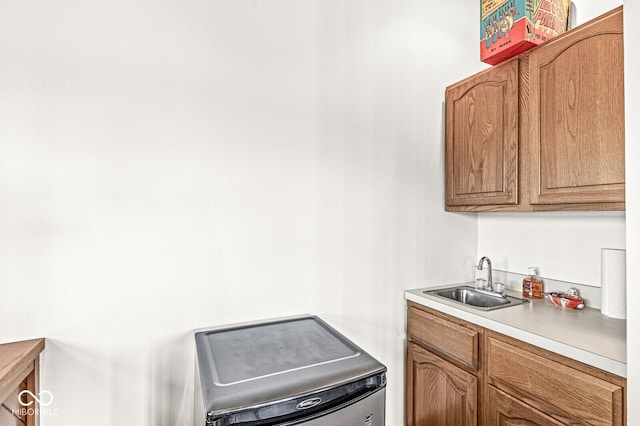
167,166
564,245
584,10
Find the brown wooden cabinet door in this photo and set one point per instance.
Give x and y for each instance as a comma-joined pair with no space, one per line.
504,410
438,393
577,116
482,138
554,387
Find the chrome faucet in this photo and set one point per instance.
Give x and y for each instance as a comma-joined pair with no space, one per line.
489,277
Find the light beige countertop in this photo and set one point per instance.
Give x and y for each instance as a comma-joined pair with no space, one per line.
585,335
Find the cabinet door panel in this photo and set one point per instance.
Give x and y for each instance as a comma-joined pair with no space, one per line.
560,390
482,138
438,393
577,120
504,410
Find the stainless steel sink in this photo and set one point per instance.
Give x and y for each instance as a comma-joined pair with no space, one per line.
479,299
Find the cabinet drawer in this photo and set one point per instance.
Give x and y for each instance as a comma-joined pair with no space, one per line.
562,392
453,341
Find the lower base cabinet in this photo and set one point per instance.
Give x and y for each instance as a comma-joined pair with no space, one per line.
554,385
442,394
505,410
476,376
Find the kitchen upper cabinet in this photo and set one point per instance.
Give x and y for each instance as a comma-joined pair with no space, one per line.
577,109
543,131
482,138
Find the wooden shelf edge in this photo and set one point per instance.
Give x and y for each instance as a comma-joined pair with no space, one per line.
17,360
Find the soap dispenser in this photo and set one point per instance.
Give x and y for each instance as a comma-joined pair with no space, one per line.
532,285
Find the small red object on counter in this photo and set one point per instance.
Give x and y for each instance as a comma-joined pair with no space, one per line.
570,299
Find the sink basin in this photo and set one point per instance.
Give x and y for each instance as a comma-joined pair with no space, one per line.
479,299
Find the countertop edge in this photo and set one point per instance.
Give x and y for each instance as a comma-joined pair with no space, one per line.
581,355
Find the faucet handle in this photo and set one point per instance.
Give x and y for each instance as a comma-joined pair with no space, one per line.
481,283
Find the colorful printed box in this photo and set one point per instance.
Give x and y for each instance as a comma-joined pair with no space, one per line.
513,26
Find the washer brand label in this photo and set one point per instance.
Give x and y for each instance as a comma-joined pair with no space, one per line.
308,403
368,421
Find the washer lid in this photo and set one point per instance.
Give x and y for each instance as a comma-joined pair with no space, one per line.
252,353
270,361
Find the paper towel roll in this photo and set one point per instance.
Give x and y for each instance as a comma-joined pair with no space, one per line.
614,283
